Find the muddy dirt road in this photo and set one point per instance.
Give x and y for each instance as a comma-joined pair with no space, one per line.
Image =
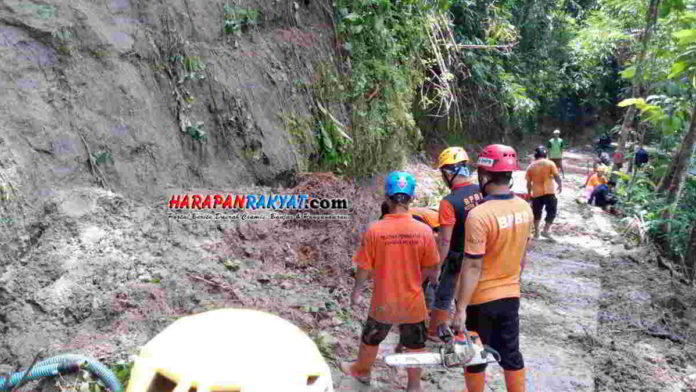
102,274
562,313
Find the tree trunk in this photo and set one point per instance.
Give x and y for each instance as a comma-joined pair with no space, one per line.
690,259
673,180
650,19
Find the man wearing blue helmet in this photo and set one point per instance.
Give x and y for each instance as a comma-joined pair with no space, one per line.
400,253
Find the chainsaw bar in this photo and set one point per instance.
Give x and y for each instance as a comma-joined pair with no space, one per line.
461,350
434,359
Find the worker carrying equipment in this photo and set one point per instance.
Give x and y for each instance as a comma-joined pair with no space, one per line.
399,253
239,350
464,195
488,300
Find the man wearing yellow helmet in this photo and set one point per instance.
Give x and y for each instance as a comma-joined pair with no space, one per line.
454,208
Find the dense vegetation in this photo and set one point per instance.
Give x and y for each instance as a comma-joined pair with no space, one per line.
468,71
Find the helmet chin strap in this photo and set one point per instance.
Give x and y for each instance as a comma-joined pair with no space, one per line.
449,180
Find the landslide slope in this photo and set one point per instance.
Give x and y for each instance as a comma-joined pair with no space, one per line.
108,107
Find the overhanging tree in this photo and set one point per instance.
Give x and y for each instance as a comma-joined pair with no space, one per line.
629,116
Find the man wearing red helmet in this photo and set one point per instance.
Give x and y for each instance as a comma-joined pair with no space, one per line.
497,232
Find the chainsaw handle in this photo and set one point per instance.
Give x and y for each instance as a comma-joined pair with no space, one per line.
493,352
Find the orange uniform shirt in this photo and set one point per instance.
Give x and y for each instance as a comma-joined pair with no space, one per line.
595,180
395,249
498,230
429,215
540,173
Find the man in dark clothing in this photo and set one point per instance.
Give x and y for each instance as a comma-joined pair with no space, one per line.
641,157
604,142
454,208
602,195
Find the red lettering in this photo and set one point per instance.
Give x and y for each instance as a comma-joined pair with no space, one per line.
218,201
184,202
239,201
228,202
206,202
174,202
196,202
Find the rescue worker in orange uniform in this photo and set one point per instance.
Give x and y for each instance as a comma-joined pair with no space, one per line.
430,217
454,208
400,252
488,301
539,175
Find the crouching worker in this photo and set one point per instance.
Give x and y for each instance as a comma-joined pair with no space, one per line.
400,253
488,300
602,196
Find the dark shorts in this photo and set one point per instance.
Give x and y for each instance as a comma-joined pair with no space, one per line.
558,162
548,201
410,335
498,325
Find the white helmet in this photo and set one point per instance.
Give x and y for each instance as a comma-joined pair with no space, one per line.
235,350
557,132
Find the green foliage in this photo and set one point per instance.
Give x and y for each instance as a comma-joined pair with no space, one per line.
644,204
232,264
196,131
193,67
237,18
388,46
43,11
102,157
334,149
122,371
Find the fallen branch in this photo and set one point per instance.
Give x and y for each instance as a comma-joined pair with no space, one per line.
508,46
93,166
219,285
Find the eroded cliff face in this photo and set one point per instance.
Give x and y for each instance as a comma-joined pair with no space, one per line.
109,107
136,82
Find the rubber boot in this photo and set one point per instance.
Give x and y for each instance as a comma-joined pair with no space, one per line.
362,368
514,380
437,317
475,382
414,374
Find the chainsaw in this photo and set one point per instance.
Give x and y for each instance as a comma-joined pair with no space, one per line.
462,349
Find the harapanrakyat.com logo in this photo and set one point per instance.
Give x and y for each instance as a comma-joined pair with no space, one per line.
254,206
